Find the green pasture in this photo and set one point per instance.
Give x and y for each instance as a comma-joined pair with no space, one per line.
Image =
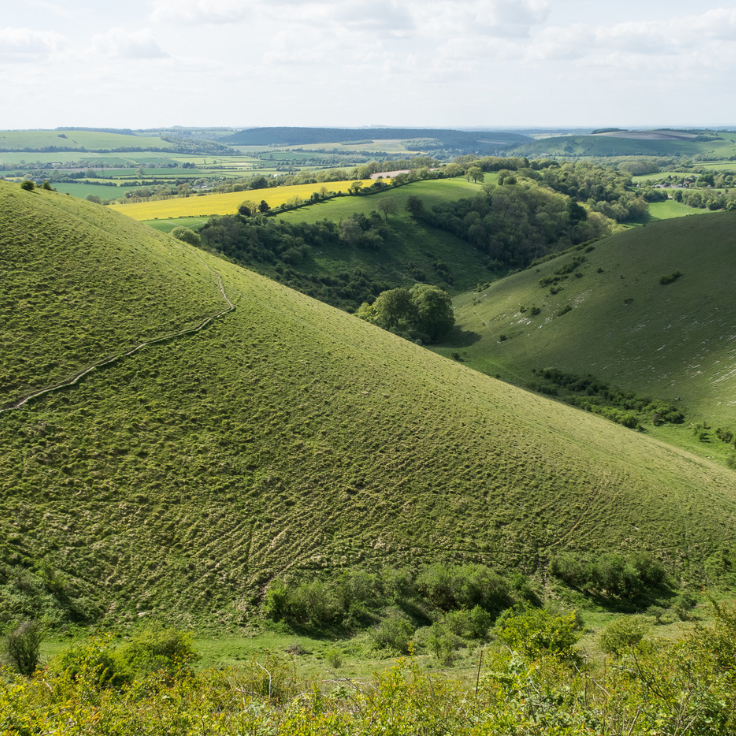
670,208
434,191
82,190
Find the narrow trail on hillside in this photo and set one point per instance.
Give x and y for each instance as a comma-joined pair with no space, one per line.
107,361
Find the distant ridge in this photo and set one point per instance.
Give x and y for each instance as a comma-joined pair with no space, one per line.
310,136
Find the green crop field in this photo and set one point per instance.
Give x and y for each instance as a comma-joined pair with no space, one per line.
82,190
625,327
76,140
166,226
432,192
287,438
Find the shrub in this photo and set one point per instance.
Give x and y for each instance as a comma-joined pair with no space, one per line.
186,235
622,633
158,649
334,658
22,647
534,632
567,308
534,311
393,633
443,644
664,280
28,185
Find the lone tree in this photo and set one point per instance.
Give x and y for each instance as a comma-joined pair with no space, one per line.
475,173
387,205
29,185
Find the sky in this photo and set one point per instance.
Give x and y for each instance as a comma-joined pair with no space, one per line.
351,63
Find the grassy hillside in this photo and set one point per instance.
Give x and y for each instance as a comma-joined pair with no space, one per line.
75,140
472,141
91,284
291,438
716,145
625,326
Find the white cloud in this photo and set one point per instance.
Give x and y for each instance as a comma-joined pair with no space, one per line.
667,38
24,44
50,7
202,11
512,18
123,44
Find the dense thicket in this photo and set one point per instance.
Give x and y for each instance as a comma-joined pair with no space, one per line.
599,397
515,223
603,189
284,247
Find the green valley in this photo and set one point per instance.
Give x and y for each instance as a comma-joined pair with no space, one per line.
287,441
609,310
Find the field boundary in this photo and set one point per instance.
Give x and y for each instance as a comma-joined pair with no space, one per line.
18,403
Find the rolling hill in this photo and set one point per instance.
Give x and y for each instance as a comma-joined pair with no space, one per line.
634,143
467,141
625,327
143,285
287,438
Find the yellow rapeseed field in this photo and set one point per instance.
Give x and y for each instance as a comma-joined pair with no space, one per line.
225,204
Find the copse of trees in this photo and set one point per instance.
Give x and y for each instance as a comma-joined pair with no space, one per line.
423,312
516,223
276,248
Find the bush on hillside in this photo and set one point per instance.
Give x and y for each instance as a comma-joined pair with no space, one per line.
186,235
393,633
631,577
621,634
424,312
664,280
22,647
535,632
28,185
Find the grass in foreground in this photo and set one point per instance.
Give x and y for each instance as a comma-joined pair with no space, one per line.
536,683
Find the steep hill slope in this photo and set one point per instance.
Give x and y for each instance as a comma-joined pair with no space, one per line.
290,437
665,340
81,283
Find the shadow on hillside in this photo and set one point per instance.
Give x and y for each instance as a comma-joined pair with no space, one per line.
460,338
